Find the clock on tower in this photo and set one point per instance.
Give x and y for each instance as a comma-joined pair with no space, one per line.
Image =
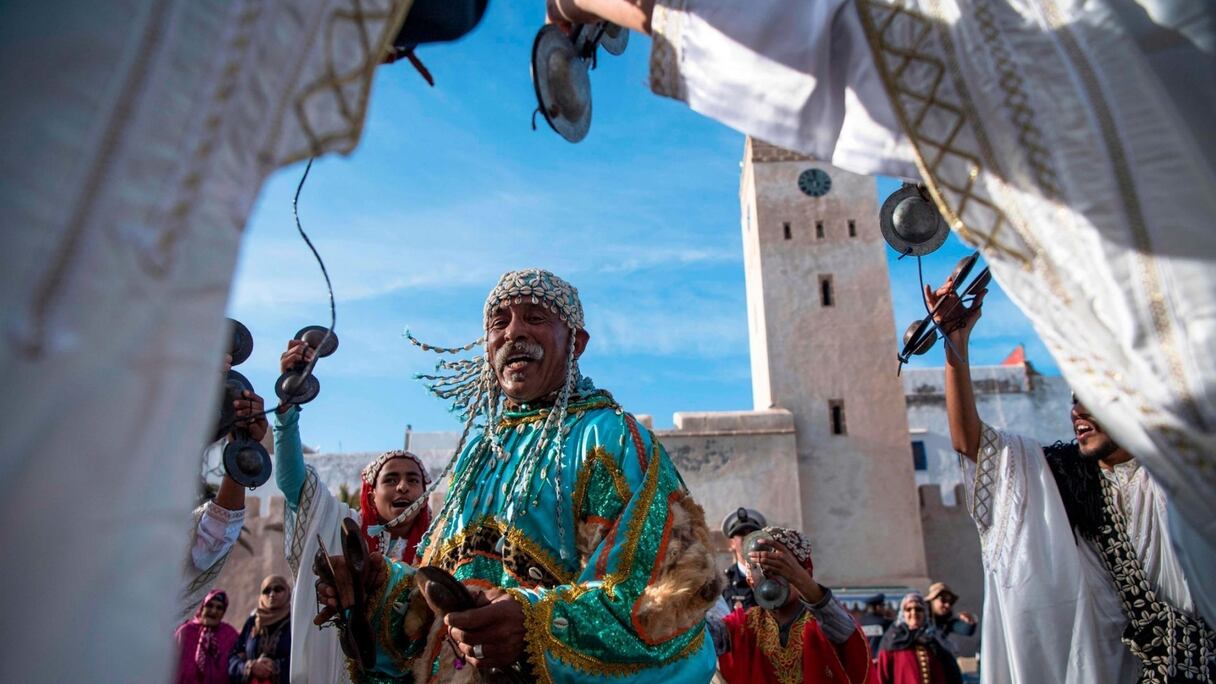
815,182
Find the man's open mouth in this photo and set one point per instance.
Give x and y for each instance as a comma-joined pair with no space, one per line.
517,362
1083,428
401,503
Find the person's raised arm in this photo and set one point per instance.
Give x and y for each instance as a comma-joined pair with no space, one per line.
631,14
956,321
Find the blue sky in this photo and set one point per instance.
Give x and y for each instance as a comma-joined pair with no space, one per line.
450,187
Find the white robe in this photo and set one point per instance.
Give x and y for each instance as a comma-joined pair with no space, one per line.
1051,611
316,655
137,135
1071,142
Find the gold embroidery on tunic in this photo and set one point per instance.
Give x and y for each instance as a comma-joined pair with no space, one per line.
935,124
538,617
637,518
599,456
385,638
786,660
573,410
542,557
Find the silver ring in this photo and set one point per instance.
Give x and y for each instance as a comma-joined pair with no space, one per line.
478,652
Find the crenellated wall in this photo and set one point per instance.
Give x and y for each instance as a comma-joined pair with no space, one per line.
952,553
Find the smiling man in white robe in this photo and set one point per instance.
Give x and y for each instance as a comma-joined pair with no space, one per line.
1081,581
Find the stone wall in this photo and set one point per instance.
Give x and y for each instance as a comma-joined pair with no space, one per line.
1012,397
952,553
257,553
738,458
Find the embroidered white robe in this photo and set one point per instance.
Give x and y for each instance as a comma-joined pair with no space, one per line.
1051,612
137,136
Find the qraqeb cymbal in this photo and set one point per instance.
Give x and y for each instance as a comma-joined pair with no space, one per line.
563,86
241,345
910,223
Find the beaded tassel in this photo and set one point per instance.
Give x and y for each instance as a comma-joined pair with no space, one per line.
472,387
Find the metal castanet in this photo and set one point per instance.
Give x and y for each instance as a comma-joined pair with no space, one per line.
245,460
241,344
921,335
355,634
770,592
910,223
298,385
561,66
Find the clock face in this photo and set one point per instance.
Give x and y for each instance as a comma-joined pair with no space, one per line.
815,182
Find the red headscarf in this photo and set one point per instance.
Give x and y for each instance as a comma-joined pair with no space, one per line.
370,516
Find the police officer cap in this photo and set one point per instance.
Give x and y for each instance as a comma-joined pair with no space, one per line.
743,521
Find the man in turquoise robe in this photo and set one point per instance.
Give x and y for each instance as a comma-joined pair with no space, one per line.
590,558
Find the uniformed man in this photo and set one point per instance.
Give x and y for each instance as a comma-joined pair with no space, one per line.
736,526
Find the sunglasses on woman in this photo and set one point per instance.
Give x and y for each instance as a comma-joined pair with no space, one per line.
273,590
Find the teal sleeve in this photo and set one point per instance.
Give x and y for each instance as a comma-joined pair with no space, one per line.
288,455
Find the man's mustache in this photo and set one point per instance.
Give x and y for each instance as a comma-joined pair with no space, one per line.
532,350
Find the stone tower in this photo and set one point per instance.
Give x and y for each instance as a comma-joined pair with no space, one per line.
823,347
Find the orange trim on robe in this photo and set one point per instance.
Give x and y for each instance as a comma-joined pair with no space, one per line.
756,654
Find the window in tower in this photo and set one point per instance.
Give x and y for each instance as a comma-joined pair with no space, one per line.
827,296
819,230
786,228
852,228
919,460
836,411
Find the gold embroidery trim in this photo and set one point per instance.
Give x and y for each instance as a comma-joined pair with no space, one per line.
540,642
513,535
599,455
599,403
786,660
633,530
386,623
1017,102
985,478
334,34
299,521
930,167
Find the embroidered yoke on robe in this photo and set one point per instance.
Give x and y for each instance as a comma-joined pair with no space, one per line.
757,654
1051,611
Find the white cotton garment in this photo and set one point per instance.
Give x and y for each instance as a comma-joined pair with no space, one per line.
136,136
1051,613
316,655
795,74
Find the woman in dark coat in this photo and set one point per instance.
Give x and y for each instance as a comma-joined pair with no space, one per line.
263,650
912,652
